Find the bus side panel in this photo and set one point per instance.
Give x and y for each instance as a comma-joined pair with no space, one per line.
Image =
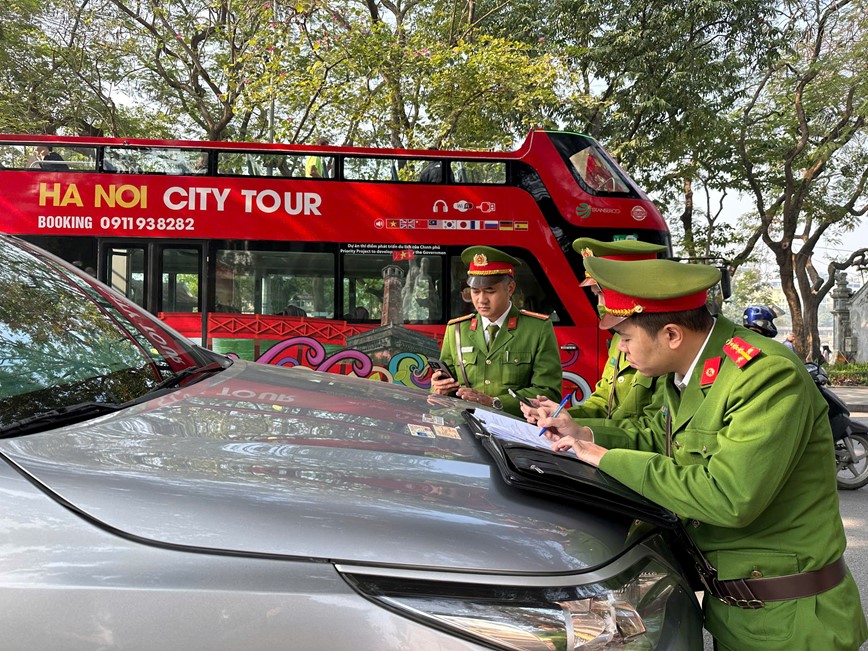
322,345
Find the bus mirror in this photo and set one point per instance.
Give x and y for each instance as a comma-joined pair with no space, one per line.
725,282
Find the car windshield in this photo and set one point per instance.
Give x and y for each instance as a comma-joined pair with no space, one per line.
66,340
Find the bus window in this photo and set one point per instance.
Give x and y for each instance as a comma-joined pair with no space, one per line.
154,160
287,283
490,173
126,273
181,274
596,172
383,169
363,286
260,164
57,158
421,293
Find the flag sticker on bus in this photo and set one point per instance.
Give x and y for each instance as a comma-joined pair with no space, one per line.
456,224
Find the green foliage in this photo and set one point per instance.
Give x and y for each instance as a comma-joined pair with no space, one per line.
847,374
748,288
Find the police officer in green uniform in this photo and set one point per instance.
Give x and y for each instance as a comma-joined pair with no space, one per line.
741,450
621,392
498,347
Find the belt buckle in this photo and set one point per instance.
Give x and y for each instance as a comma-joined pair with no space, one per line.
746,604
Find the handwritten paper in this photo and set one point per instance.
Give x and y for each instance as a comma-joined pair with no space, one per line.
511,429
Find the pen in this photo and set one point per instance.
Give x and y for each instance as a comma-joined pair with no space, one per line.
557,411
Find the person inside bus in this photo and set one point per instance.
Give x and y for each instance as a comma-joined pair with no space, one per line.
621,392
50,160
432,172
293,310
315,166
498,347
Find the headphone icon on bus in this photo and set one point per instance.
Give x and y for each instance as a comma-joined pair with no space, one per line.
440,204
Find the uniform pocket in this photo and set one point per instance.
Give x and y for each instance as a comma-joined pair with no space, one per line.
693,446
470,358
753,564
517,368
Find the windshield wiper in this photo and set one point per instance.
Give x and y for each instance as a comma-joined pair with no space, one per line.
61,416
179,376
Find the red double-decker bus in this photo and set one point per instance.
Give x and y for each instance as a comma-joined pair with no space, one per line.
355,271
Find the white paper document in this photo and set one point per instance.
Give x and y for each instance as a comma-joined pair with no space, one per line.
507,428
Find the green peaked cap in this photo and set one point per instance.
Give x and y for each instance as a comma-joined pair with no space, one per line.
487,266
625,248
633,287
652,279
491,254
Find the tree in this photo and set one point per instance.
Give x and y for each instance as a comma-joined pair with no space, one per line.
654,81
407,75
802,150
749,288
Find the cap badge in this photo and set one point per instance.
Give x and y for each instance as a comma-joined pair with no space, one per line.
587,253
480,260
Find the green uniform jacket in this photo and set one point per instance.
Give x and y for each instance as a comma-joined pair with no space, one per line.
635,395
752,471
525,357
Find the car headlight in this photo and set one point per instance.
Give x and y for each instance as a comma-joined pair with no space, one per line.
626,611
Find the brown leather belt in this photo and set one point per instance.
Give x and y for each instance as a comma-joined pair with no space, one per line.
753,593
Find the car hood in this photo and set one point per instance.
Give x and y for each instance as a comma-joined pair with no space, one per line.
263,460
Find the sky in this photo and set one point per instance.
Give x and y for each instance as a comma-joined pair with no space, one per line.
825,251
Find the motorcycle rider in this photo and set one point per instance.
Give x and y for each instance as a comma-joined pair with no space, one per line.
761,319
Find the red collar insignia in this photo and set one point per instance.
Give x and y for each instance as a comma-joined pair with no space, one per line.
512,323
709,371
739,351
473,323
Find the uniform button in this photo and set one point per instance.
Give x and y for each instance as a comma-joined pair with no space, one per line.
704,449
677,445
488,381
621,380
695,523
488,361
756,574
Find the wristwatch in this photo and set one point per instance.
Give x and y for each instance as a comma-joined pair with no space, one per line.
496,403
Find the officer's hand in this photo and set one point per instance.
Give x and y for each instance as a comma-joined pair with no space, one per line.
472,395
546,403
531,414
560,426
443,384
585,450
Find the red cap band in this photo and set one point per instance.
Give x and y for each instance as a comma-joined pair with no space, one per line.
622,305
488,268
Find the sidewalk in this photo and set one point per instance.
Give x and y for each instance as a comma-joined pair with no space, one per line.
855,397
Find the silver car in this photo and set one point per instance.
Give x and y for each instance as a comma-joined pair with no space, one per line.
155,495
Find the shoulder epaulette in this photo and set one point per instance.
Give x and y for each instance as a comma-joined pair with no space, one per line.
739,351
459,319
535,315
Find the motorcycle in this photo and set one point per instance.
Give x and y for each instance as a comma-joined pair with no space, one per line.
850,436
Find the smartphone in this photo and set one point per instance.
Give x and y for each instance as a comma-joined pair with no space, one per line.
524,401
439,365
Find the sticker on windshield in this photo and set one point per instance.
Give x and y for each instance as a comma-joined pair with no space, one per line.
446,431
421,431
431,418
